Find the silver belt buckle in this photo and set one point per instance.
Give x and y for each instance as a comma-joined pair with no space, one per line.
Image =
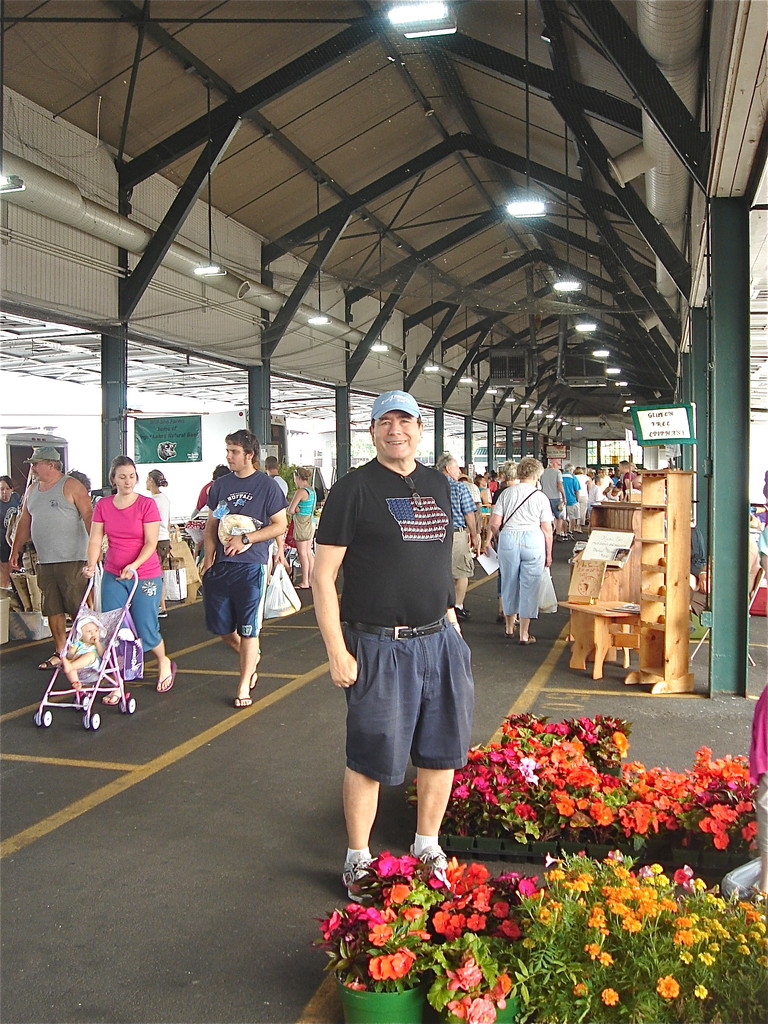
397,630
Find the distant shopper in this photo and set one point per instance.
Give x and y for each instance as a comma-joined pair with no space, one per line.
522,522
302,508
156,480
247,512
571,489
130,522
583,478
202,498
552,486
466,537
57,517
272,468
9,502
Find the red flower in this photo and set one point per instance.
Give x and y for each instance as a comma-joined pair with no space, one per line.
395,965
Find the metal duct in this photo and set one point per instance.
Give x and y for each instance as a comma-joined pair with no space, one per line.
671,31
54,197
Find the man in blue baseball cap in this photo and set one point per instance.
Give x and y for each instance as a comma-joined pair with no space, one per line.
394,646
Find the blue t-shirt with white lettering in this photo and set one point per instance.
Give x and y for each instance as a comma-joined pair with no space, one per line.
571,488
254,496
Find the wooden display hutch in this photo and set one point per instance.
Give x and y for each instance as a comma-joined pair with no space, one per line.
665,558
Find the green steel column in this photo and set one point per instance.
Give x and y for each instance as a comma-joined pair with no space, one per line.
700,395
490,440
439,439
114,398
537,446
509,442
686,395
343,433
259,417
468,446
523,443
730,445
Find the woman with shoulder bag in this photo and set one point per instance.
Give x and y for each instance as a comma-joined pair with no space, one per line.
301,507
521,523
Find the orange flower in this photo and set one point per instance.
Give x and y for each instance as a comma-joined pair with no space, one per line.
563,803
684,937
668,988
412,913
621,743
396,965
380,934
601,814
399,892
580,989
609,996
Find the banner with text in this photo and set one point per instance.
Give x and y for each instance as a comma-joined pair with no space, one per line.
168,439
664,424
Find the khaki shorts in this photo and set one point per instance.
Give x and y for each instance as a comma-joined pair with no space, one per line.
62,586
462,563
164,554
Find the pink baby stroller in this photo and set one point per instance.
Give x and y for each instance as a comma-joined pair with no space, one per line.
122,660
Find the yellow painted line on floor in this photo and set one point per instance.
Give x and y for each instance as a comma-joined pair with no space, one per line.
67,762
99,796
538,680
231,672
626,691
29,643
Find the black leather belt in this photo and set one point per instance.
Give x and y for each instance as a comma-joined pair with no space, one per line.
459,529
398,632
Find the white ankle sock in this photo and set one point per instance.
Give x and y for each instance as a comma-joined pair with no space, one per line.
353,856
422,843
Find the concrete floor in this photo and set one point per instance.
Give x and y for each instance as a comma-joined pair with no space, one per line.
170,867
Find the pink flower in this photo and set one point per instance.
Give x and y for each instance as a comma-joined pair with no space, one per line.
683,876
467,976
481,1011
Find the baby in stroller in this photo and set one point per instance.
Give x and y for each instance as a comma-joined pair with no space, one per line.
86,649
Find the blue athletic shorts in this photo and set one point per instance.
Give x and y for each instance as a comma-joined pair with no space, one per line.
413,698
233,598
144,606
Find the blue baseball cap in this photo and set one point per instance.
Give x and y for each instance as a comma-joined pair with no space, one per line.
392,400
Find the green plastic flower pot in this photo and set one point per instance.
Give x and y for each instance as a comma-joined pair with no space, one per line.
383,1007
509,1014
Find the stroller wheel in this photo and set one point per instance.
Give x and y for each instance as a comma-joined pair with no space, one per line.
43,718
92,721
128,706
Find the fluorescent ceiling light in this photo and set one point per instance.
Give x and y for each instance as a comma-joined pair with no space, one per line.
613,369
564,422
578,428
526,208
525,405
568,284
630,401
537,412
211,270
431,368
422,19
466,380
601,353
621,383
585,326
379,346
318,319
492,391
550,415
11,183
510,401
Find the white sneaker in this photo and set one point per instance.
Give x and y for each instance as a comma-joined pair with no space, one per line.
353,873
434,858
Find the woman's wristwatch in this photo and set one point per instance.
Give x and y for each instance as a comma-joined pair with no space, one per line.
245,539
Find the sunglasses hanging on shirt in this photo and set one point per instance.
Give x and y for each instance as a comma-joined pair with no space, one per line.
415,496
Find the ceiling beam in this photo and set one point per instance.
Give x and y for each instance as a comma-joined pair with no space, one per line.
297,71
358,357
271,335
429,348
470,354
646,80
133,287
597,103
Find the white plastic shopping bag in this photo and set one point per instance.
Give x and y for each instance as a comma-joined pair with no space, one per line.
547,595
282,598
175,583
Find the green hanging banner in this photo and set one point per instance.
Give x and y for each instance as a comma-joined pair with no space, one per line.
168,439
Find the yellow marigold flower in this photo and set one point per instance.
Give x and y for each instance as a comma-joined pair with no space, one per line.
555,905
763,961
715,901
714,947
657,869
609,996
667,987
706,958
745,950
686,957
741,937
631,924
700,992
580,989
699,884
529,943
760,925
605,959
545,916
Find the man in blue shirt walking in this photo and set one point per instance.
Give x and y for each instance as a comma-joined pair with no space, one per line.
466,539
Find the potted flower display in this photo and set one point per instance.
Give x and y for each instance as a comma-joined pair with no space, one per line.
607,943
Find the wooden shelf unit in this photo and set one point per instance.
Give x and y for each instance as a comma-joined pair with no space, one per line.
665,540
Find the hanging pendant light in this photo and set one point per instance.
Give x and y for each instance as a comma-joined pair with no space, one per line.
211,268
527,205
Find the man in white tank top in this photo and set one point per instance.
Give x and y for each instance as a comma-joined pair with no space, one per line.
57,518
